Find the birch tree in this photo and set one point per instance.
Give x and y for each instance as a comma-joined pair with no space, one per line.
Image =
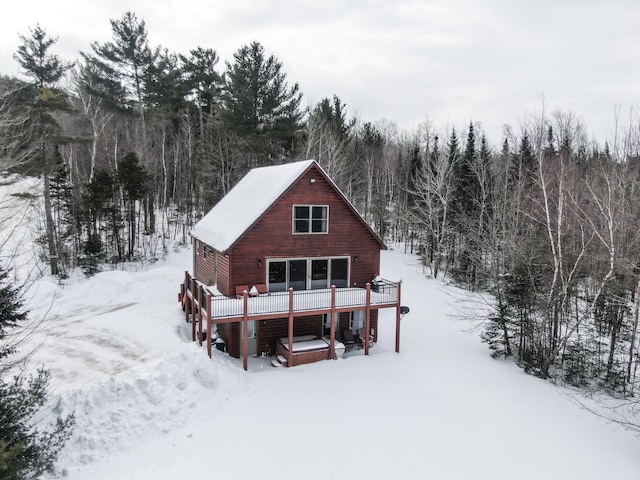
434,193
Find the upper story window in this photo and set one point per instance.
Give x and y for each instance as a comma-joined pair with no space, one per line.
310,219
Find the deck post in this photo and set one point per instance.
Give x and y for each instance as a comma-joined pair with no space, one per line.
209,324
185,300
194,307
200,317
367,321
398,319
245,330
332,335
290,349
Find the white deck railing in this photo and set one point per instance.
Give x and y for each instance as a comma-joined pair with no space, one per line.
381,293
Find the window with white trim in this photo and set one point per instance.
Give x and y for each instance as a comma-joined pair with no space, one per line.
310,219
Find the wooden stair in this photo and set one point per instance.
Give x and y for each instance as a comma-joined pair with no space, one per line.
279,361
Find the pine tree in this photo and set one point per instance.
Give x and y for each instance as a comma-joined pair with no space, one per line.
118,68
11,316
497,331
259,105
525,168
103,217
331,113
328,136
26,452
204,82
46,70
34,57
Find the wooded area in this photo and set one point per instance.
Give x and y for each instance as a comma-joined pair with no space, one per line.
135,143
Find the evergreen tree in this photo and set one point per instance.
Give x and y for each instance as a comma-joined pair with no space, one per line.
259,105
497,332
118,71
33,56
549,149
466,180
332,114
118,67
26,449
328,136
103,217
415,168
525,167
11,316
166,86
134,180
467,211
45,69
203,81
453,149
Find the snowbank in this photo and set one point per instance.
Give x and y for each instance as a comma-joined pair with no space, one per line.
150,404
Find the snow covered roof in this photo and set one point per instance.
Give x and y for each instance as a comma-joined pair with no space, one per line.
245,203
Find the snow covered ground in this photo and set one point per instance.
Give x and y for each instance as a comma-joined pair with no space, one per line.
150,404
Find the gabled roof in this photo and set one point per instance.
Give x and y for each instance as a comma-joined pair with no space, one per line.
245,203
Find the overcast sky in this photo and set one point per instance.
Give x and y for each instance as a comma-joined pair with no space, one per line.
455,61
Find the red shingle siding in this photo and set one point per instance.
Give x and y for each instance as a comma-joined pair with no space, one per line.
223,284
270,330
204,263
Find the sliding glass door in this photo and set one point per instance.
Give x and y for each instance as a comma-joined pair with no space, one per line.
319,273
308,273
297,274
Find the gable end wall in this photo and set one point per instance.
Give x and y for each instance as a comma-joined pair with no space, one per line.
271,236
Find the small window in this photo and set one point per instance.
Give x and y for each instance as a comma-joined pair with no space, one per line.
310,219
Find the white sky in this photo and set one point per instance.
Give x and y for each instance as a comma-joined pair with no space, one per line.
490,61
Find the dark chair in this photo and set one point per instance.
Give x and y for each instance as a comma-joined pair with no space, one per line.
348,340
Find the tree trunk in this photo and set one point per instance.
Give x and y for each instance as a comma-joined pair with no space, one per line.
51,237
634,335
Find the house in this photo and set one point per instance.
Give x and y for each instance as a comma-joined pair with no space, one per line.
283,266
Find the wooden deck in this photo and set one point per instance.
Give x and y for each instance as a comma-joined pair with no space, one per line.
206,308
